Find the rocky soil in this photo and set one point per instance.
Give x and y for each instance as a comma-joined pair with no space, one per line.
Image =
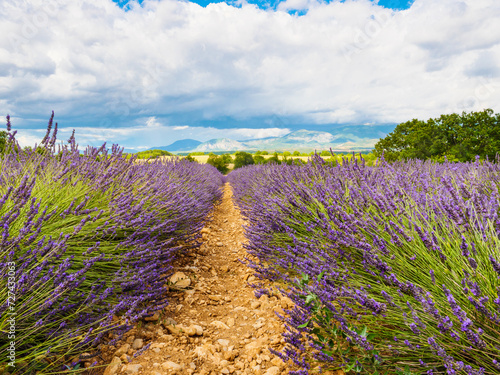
215,324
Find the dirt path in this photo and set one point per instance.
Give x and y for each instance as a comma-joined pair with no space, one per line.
215,325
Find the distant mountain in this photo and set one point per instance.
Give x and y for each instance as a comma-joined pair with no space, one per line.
221,144
342,139
308,140
181,145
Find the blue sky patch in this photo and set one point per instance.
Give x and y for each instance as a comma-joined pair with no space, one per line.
272,4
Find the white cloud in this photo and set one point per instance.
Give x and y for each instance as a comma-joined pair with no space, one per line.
341,62
152,122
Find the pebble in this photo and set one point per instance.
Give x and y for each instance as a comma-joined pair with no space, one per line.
229,355
170,321
133,369
275,370
123,349
219,324
137,344
260,323
255,305
169,365
153,318
113,367
199,329
180,280
174,329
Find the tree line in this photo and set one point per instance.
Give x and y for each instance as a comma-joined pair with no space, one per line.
456,137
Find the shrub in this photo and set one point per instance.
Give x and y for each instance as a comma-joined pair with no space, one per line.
273,159
242,158
258,159
221,162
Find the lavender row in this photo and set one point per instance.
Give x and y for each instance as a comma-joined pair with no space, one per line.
88,239
393,268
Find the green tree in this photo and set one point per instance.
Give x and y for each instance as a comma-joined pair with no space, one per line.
152,154
287,153
220,162
274,159
242,158
457,137
259,159
296,153
325,153
191,159
227,158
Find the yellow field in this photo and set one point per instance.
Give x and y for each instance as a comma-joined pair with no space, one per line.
203,158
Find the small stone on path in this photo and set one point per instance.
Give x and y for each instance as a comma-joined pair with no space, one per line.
113,367
180,280
137,344
218,324
133,369
169,365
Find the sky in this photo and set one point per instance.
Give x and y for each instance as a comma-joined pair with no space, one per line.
148,73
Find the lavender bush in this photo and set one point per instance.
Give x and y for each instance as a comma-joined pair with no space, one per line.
86,245
393,268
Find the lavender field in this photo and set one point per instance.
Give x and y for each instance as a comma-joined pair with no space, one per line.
87,239
394,269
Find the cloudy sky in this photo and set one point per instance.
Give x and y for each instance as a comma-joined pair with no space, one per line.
147,73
